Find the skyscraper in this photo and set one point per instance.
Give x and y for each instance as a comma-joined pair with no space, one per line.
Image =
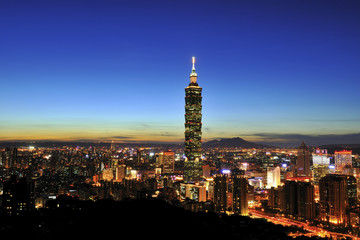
220,193
297,198
192,165
240,195
306,200
168,161
303,161
337,195
231,192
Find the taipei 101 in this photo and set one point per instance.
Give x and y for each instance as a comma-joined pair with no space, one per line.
180,119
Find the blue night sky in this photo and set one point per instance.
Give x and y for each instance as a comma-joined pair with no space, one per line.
271,71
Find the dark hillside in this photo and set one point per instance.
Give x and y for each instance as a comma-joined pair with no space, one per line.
135,219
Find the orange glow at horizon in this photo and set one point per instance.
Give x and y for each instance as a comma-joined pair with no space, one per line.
125,135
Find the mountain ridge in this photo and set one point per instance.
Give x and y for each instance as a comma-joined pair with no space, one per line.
235,142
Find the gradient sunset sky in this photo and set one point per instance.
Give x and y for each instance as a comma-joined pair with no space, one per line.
271,71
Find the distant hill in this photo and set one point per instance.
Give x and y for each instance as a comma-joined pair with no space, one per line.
233,143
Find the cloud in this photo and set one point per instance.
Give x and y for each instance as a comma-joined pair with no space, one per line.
166,134
335,120
293,139
111,138
120,137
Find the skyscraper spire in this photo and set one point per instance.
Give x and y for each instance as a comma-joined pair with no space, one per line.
193,74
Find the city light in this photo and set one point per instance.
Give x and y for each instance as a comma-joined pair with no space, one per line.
225,171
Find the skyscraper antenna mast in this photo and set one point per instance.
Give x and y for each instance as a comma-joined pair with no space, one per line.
193,74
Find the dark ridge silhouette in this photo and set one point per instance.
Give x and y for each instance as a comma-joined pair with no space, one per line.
233,143
69,218
355,148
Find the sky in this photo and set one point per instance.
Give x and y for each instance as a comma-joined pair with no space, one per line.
271,71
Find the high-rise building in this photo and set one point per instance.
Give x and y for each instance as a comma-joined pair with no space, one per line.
206,170
240,195
274,197
342,159
288,198
10,157
107,174
120,173
192,164
17,197
193,192
138,157
231,192
321,157
220,193
321,162
168,161
273,177
297,199
338,193
320,171
306,200
303,161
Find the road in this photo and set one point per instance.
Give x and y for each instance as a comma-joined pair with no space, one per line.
313,231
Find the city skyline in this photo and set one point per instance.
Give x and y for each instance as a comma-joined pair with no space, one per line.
274,73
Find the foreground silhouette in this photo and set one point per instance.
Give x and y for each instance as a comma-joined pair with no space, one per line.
69,218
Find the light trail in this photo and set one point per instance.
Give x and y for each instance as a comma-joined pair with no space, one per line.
313,231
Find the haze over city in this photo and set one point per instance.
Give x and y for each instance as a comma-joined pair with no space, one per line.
272,72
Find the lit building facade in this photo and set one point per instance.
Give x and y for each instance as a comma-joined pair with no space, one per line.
120,173
321,162
193,165
342,159
193,192
273,177
107,174
320,171
321,157
167,160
